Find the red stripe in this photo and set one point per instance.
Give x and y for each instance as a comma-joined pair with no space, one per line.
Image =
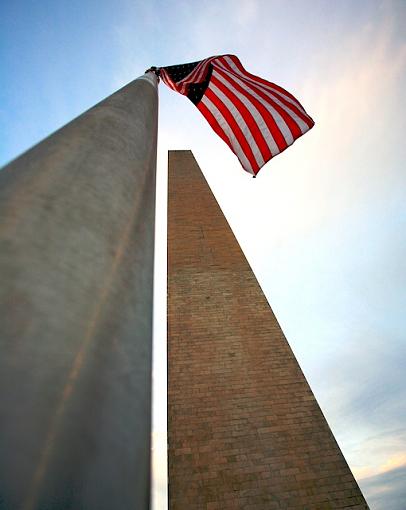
235,128
211,119
263,84
306,119
273,88
261,80
256,133
290,122
257,88
266,115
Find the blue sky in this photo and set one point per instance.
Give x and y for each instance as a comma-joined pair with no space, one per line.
323,225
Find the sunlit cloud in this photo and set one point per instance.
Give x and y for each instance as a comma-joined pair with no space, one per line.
386,491
398,460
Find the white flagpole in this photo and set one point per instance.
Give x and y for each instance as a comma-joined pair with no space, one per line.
76,271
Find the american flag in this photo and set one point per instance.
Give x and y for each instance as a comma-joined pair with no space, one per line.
256,118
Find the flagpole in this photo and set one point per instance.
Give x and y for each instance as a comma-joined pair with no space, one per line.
76,269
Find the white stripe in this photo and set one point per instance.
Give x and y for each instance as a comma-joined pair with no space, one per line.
241,123
269,139
229,133
269,87
279,120
242,81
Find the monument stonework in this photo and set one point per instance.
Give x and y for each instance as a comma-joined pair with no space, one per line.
244,428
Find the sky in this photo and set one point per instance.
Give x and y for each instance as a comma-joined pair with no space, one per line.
323,225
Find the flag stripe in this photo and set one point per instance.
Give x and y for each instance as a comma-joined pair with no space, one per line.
235,128
248,111
224,130
206,111
265,83
303,121
278,119
241,116
289,111
271,88
281,136
287,125
263,119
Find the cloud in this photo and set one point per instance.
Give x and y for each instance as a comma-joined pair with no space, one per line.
396,461
387,490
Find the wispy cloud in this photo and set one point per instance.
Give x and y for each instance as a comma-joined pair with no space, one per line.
387,490
396,461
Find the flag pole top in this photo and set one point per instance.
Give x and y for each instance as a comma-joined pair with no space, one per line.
155,70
